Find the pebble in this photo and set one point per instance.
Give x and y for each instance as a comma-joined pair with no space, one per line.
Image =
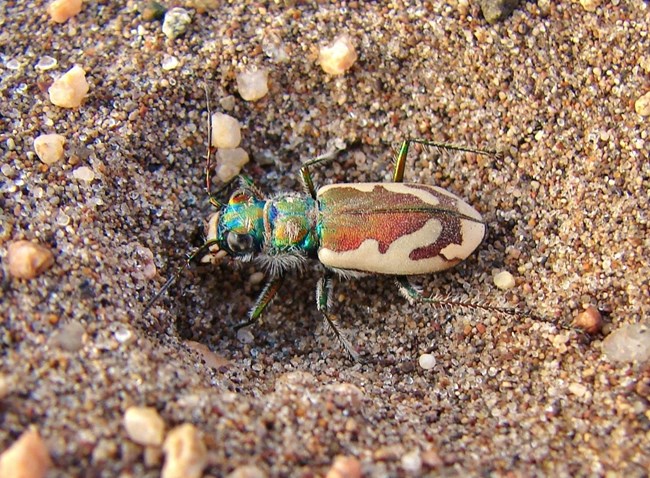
62,10
590,5
28,457
144,425
69,90
84,173
427,361
226,131
176,22
337,57
412,462
46,63
26,259
589,320
495,10
253,84
185,453
230,163
170,62
642,105
49,147
344,467
70,336
504,280
5,387
628,343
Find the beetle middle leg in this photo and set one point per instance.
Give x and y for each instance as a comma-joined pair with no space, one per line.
323,303
268,293
400,159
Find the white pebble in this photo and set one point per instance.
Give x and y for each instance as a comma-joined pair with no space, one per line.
28,457
62,10
69,90
412,462
49,147
230,163
245,336
176,22
642,105
504,280
26,260
144,425
427,361
185,453
338,57
628,343
253,84
46,63
226,131
169,62
84,173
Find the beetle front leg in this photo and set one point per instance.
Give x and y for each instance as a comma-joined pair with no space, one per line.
305,175
413,295
323,303
268,293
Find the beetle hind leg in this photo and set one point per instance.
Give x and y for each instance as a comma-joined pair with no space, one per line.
263,300
414,295
323,303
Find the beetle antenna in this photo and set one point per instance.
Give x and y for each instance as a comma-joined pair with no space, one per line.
208,157
198,252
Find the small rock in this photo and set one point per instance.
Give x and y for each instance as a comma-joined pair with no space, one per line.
226,131
176,22
28,457
185,453
337,57
628,343
589,320
84,173
46,63
144,425
61,10
26,259
495,10
344,467
412,462
152,10
170,62
590,5
504,280
253,84
5,386
49,147
70,336
69,90
230,163
427,361
642,105
578,389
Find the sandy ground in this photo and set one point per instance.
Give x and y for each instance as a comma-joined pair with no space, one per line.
553,87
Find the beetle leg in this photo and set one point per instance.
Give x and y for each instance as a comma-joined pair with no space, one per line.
323,303
412,294
305,175
266,296
400,159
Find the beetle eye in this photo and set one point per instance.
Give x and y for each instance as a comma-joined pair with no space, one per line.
239,242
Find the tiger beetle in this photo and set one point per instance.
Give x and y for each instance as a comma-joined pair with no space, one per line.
354,229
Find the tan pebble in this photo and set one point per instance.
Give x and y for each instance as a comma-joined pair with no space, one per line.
230,163
589,320
70,89
253,84
26,259
49,147
590,5
247,471
642,105
338,57
144,425
345,467
5,387
504,280
431,458
210,359
84,173
185,453
28,457
61,10
226,131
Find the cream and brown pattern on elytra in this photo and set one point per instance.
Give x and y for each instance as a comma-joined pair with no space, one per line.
395,228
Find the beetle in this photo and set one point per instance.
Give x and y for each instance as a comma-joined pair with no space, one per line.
354,229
